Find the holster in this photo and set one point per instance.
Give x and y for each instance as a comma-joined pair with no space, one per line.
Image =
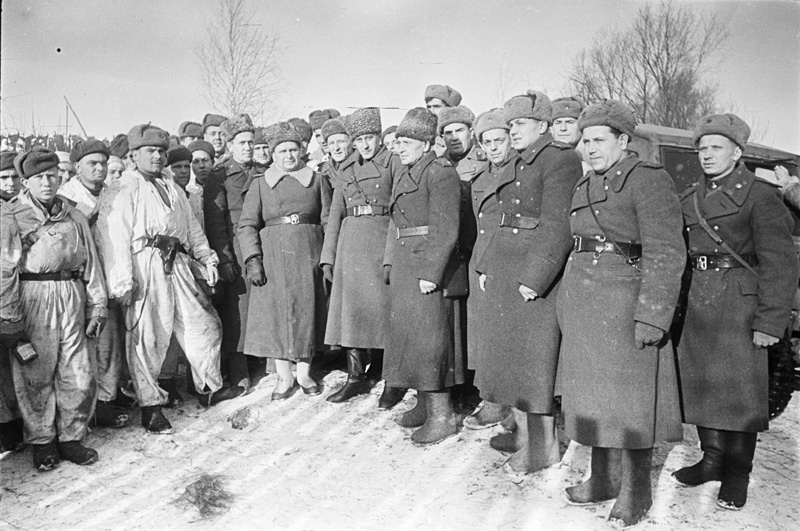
168,247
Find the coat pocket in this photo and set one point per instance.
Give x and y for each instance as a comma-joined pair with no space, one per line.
748,285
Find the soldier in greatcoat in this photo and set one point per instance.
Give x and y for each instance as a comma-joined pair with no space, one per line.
492,132
340,153
438,97
281,230
743,280
520,271
421,350
615,307
352,257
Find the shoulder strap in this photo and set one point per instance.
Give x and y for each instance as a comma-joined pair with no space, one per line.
715,236
627,257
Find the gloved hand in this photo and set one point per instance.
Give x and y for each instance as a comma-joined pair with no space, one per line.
646,334
387,273
482,281
254,269
426,287
327,272
228,271
11,333
527,293
760,339
95,326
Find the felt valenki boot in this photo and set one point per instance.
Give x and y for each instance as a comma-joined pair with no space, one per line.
357,383
440,422
541,449
710,467
740,448
416,416
514,441
604,482
635,494
487,415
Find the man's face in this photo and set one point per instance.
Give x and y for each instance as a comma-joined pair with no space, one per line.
261,154
9,183
150,159
566,130
92,170
66,171
496,143
115,169
241,147
718,154
603,149
435,105
320,141
287,156
410,150
181,172
128,160
368,145
339,146
457,139
390,141
185,141
525,131
201,166
213,135
43,186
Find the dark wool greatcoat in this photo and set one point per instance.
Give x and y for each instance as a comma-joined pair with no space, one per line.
421,351
614,394
333,170
358,314
223,196
723,375
486,212
286,317
524,336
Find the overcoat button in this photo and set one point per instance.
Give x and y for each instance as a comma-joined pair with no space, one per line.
518,183
605,187
481,231
716,227
739,185
515,231
480,215
377,186
516,201
596,212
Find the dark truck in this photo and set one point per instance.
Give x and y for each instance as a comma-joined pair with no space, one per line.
674,149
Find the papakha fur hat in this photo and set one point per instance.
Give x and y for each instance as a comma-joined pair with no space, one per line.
611,113
728,125
241,123
364,121
418,123
282,132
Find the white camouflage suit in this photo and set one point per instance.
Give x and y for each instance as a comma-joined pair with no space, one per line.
132,212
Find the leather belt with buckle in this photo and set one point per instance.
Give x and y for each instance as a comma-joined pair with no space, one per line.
703,262
367,210
293,219
412,231
518,222
599,244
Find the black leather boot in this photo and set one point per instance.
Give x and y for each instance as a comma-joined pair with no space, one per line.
226,393
712,442
635,495
106,416
357,383
154,420
45,456
603,483
375,370
11,435
740,447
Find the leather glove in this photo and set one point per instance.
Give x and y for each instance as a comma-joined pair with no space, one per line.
387,272
761,340
327,272
95,326
228,271
254,268
646,334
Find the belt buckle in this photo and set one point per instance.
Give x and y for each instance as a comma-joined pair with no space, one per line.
502,219
398,233
294,219
702,263
366,210
577,242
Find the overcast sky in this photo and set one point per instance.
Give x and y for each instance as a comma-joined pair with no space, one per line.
125,62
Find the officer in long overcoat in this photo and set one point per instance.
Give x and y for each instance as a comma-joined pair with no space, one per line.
736,306
492,132
520,271
615,306
421,351
352,256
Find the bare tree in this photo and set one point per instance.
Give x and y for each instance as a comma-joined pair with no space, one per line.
239,61
657,65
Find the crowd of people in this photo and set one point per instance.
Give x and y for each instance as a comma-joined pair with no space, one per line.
527,250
